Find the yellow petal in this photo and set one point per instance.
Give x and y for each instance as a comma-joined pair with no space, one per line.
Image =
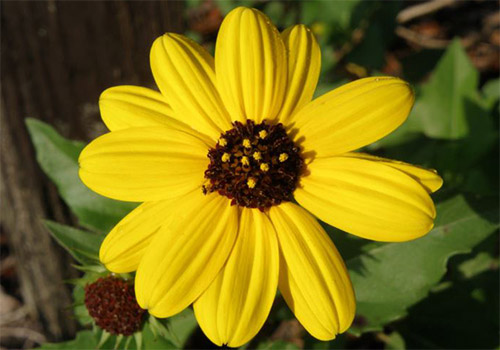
186,256
235,306
366,198
125,245
429,178
128,106
184,72
144,164
251,66
352,116
304,64
313,278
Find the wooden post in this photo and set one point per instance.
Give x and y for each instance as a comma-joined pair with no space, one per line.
56,58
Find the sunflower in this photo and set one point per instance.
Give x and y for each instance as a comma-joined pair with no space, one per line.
220,157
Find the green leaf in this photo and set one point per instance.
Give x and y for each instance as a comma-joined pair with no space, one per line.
390,278
58,158
105,336
484,258
340,19
82,245
441,107
103,340
83,340
275,11
464,164
462,316
175,329
138,340
79,309
492,89
183,325
483,261
152,341
394,341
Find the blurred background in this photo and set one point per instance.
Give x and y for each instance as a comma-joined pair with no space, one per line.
58,56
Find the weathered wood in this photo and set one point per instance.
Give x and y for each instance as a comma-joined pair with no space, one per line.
56,58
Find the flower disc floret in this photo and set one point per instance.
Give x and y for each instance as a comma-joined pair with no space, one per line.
254,165
111,303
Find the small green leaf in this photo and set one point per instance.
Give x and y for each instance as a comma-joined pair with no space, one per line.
394,341
58,158
389,278
150,341
321,11
483,261
82,245
83,340
127,342
484,258
104,338
441,107
138,339
492,89
182,325
95,269
118,341
79,309
175,329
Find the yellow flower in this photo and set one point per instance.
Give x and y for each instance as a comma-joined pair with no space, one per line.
222,231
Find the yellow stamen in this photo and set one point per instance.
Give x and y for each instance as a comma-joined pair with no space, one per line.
251,182
283,157
225,157
245,161
257,156
222,142
264,167
263,134
247,143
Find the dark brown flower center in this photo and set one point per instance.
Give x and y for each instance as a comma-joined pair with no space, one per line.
111,303
254,165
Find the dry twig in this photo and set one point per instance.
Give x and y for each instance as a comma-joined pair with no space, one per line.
422,9
421,40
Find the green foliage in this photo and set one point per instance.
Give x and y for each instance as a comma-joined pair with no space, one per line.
492,90
449,106
58,158
182,326
389,278
86,340
458,317
82,245
83,340
336,23
442,105
175,329
394,341
80,311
